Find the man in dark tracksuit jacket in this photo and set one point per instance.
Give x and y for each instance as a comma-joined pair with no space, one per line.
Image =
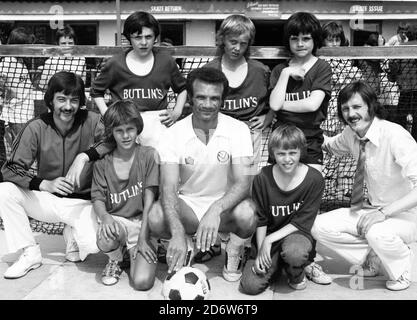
61,142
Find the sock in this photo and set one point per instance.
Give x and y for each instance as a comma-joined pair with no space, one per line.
236,243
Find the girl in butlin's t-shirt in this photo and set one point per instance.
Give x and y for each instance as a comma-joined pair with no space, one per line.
301,87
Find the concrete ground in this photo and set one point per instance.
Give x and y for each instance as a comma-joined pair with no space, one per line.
58,279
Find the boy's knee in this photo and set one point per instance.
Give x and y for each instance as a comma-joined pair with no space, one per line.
296,249
107,245
142,283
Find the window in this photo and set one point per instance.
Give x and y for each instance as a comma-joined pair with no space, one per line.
360,36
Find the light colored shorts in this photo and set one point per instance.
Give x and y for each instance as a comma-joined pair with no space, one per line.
152,129
199,205
131,227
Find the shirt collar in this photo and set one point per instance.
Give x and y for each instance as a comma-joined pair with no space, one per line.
374,132
222,129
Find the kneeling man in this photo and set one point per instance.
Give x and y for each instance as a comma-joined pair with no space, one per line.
375,231
205,178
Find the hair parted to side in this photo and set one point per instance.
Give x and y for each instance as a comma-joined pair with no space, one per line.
67,82
67,31
368,96
137,20
235,24
334,30
119,113
304,23
287,136
206,75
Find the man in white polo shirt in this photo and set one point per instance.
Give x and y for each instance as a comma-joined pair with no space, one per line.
205,178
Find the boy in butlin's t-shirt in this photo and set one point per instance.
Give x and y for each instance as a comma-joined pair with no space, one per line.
124,186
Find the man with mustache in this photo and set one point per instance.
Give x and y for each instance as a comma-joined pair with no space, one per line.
374,231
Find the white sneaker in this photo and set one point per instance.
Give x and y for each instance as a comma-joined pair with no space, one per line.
404,281
315,273
30,259
371,266
72,252
401,283
233,266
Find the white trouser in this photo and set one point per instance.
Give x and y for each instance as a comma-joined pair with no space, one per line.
16,204
337,230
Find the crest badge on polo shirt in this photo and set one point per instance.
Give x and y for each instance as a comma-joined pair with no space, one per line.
223,156
189,161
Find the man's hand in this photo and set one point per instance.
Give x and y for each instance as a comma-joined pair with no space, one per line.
109,228
169,117
76,168
208,228
264,255
176,252
367,220
145,250
60,185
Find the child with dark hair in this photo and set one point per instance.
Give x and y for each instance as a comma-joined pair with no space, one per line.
334,35
18,104
63,37
124,186
144,75
301,90
301,87
288,196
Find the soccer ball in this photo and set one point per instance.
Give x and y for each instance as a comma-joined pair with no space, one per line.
188,283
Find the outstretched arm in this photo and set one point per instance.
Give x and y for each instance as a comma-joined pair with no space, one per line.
177,247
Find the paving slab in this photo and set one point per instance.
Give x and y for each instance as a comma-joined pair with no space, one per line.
59,279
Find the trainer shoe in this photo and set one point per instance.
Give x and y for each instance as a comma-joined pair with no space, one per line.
111,273
72,252
315,273
300,285
371,266
401,283
30,259
233,266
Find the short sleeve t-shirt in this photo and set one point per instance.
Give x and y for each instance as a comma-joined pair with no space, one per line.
250,99
278,208
125,197
149,92
205,170
317,78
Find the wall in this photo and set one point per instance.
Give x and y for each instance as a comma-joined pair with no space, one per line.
200,33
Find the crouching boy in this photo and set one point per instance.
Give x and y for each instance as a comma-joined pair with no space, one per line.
288,196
